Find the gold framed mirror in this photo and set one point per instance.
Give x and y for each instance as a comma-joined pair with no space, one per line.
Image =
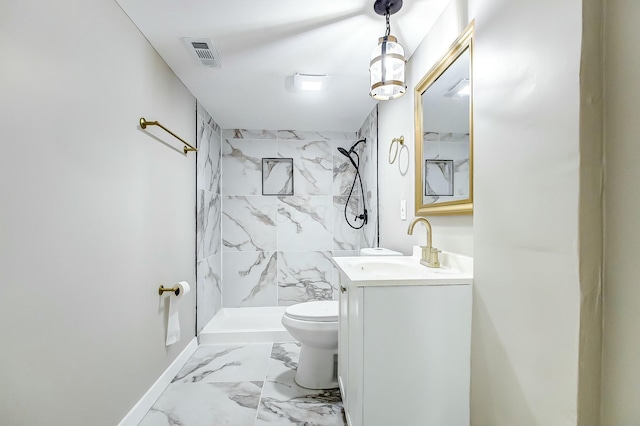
444,133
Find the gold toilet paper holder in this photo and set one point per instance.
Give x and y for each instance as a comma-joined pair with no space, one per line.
175,290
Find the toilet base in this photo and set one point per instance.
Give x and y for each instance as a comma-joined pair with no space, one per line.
317,368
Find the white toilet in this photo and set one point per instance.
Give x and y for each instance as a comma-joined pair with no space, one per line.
315,325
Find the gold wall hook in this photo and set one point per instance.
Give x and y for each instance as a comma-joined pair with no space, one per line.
144,123
174,290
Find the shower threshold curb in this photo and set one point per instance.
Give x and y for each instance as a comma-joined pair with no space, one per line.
246,325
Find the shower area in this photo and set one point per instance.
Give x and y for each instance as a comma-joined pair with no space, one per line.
273,207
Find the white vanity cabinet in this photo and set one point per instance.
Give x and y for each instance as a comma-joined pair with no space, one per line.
404,352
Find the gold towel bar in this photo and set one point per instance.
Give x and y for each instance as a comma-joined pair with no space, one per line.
175,290
144,123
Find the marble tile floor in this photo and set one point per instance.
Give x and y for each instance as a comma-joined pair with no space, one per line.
244,385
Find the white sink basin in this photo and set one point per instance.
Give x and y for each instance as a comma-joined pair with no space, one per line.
398,266
399,270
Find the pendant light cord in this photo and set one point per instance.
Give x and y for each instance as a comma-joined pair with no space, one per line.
388,25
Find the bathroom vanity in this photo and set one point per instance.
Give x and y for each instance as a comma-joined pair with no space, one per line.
404,340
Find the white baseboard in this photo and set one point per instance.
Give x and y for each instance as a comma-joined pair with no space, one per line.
141,408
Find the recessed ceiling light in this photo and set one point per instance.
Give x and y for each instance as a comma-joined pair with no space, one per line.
310,82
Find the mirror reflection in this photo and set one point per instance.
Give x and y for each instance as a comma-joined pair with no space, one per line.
444,134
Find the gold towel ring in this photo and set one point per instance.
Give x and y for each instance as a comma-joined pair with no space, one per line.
397,142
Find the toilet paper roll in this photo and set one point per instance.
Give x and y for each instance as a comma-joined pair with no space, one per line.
173,321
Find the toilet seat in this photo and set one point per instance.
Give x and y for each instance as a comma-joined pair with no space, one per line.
318,311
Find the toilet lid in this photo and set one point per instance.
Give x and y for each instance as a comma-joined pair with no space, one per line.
321,311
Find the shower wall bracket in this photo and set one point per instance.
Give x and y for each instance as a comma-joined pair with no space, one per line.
144,123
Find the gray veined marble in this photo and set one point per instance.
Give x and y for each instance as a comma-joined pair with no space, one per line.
244,385
209,289
431,136
343,170
338,136
304,276
254,229
248,134
344,236
313,163
454,137
277,176
460,165
249,223
304,223
206,404
438,177
344,253
249,279
208,238
369,130
369,127
299,135
368,236
202,143
309,135
315,409
208,158
207,118
283,402
284,357
226,363
242,165
368,233
447,147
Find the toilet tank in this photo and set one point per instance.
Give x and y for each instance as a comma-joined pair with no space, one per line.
378,251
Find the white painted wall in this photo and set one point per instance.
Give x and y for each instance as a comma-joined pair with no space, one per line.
621,367
526,322
450,233
95,214
532,338
591,213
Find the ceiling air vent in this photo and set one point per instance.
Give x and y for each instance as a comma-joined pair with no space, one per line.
204,51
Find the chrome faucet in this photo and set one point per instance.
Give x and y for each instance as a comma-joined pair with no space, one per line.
429,253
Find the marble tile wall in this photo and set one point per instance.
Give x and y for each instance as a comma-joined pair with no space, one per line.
262,250
369,130
450,146
208,229
276,250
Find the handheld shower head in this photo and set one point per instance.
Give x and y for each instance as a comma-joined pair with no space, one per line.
352,150
350,154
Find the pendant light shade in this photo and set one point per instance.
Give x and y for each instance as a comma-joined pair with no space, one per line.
386,68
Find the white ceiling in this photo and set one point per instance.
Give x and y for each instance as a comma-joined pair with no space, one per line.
263,43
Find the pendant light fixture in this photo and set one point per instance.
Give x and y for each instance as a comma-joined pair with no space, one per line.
387,60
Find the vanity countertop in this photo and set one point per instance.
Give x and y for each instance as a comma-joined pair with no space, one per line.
364,271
